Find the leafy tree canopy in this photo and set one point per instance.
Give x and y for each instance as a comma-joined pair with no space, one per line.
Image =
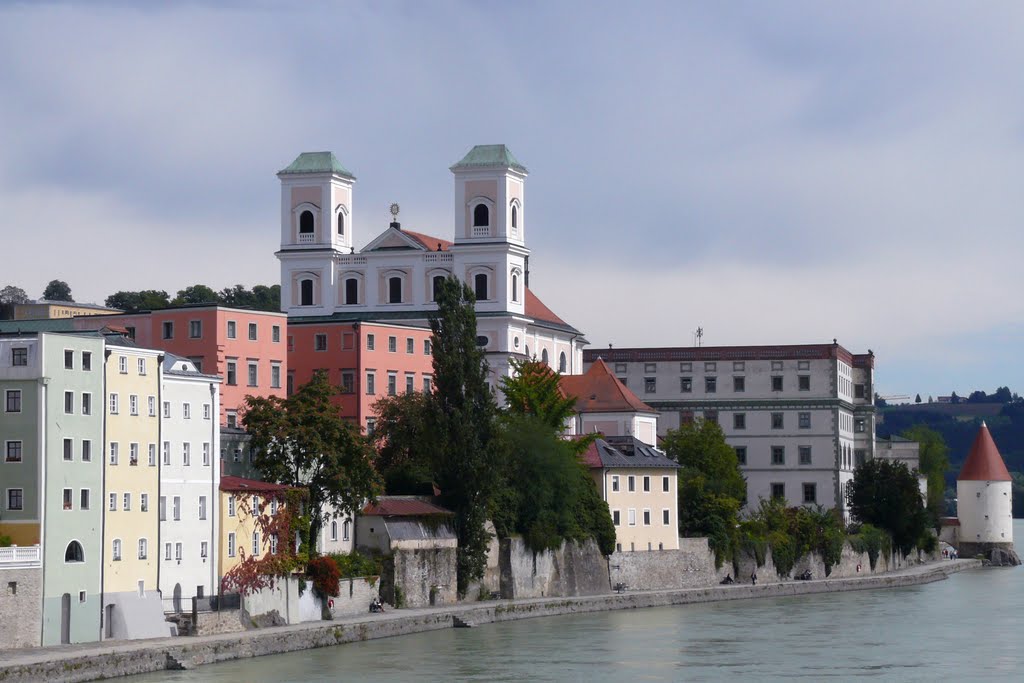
58,290
406,444
303,441
934,463
133,302
885,494
533,389
13,295
196,294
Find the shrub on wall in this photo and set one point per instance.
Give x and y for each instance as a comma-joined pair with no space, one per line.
355,564
5,541
323,572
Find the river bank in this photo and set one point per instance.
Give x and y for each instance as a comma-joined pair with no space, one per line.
106,660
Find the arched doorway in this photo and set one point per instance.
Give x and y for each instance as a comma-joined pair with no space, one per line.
177,597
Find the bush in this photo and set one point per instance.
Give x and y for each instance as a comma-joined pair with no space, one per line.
356,564
873,541
784,552
323,571
5,541
928,543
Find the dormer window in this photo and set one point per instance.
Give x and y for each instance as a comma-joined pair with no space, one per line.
306,222
481,216
480,286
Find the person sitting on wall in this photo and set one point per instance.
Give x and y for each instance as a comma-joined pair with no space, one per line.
728,579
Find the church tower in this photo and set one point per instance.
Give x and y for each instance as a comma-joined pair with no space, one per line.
983,491
316,227
490,227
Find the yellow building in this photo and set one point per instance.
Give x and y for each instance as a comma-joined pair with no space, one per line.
131,603
241,536
43,308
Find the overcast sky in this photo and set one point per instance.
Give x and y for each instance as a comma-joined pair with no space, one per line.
771,172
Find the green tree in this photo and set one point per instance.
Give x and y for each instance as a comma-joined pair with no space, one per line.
10,296
533,389
58,290
933,464
196,294
260,297
303,441
465,463
885,494
404,438
145,300
711,486
917,399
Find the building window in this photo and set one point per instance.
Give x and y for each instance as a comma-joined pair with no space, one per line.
275,376
631,483
739,384
341,223
306,292
143,548
232,373
253,331
133,454
232,418
810,493
112,502
778,490
427,386
69,360
177,552
480,286
711,416
410,345
176,508
805,455
334,530
152,455
650,368
186,454
647,484
346,529
394,290
206,454
859,425
631,516
804,382
392,383
426,347
481,217
306,222
436,283
858,391
133,404
16,499
13,404
206,411
647,517
776,365
168,329
320,342
650,385
113,452
515,218
515,285
86,450
741,455
167,409
804,420
615,482
87,359
393,344
253,374
142,366
275,334
561,362
143,502
739,420
685,384
348,381
13,452
778,455
410,382
167,452
232,329
202,507
231,544
69,445
126,504
666,518
74,553
370,389
255,543
151,401
69,402
195,329
776,383
666,484
371,426
370,342
777,421
710,385
859,457
19,356
620,368
83,499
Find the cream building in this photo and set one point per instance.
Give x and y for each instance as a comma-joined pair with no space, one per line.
241,500
131,602
189,483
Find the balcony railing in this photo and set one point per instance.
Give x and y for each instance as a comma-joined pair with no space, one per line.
16,556
307,238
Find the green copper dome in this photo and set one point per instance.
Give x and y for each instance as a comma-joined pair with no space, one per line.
317,162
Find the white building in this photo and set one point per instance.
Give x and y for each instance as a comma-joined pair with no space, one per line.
394,277
189,483
897,449
800,417
984,499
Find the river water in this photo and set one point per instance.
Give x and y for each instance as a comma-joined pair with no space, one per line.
970,627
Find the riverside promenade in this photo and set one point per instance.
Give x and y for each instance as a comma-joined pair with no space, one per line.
95,661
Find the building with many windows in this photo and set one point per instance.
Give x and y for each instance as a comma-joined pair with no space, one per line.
241,501
800,417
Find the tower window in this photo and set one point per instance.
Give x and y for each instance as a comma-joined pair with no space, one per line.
73,553
306,293
481,217
306,222
480,285
351,288
394,290
438,281
515,217
515,285
341,223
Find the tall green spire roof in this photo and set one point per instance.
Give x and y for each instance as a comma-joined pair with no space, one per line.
489,156
317,162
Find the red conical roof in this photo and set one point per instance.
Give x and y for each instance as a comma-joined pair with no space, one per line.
984,462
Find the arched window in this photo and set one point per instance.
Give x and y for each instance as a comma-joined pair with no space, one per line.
334,530
480,286
526,350
544,356
74,552
515,286
437,282
306,222
394,290
351,290
341,223
346,528
561,362
481,217
306,293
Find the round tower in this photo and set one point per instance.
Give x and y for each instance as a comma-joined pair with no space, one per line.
984,499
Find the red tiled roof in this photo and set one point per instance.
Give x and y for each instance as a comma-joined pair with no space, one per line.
984,462
403,507
590,457
599,391
239,484
429,241
536,309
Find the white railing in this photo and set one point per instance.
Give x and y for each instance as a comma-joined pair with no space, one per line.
352,260
438,257
21,557
481,231
307,237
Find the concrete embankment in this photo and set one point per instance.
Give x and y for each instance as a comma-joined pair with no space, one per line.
106,660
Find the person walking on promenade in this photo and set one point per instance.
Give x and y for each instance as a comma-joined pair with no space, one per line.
753,577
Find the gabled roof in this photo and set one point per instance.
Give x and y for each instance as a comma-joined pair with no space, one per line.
317,162
984,462
429,242
403,506
625,452
536,309
599,391
489,156
396,238
235,484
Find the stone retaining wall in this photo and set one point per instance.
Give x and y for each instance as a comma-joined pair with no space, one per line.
573,569
20,617
109,660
